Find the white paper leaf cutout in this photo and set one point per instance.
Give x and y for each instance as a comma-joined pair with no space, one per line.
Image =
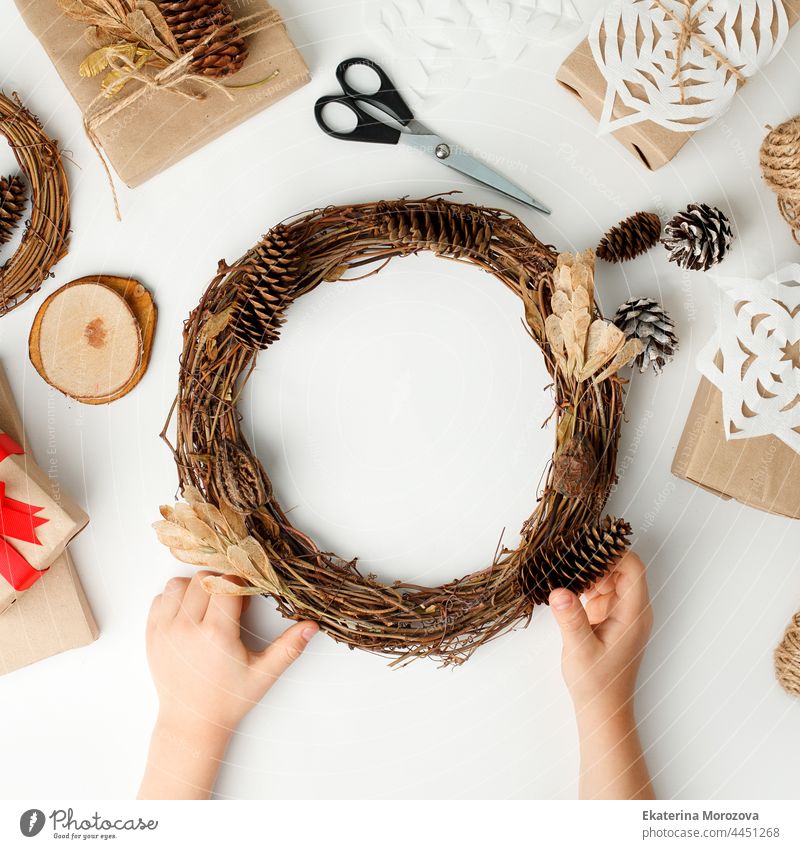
635,44
446,43
758,335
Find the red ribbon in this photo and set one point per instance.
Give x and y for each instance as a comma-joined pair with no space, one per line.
18,520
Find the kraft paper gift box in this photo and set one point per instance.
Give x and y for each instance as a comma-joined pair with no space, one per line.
161,128
652,144
36,522
761,472
53,615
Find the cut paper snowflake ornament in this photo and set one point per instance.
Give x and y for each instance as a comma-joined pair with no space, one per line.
446,43
679,63
754,356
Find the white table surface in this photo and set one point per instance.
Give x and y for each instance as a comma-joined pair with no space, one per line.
400,418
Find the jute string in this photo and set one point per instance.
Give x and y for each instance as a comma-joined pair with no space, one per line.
173,78
780,166
787,658
689,31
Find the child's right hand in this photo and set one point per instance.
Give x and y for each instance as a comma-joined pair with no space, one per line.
603,643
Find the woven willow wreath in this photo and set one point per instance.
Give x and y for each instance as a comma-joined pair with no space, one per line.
46,236
231,521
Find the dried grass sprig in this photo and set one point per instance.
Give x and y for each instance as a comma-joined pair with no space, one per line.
229,491
46,237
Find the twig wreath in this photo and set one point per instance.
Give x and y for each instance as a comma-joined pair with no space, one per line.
232,523
46,236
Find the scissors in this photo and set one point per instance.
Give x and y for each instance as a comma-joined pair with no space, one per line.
414,134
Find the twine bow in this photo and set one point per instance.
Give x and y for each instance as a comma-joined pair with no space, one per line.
19,521
172,78
689,31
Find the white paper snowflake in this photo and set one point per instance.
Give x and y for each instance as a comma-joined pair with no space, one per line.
758,336
446,43
637,47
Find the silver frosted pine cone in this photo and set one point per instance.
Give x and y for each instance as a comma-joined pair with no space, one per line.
698,237
646,320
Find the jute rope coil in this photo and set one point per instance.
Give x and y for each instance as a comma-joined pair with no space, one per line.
780,165
231,521
787,658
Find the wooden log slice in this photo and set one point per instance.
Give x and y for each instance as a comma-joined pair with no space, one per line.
92,338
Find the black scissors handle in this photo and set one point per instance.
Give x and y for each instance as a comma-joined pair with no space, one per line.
368,128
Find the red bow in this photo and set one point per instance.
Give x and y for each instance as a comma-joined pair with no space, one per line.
17,521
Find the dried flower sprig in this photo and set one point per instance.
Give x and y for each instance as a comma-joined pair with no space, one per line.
581,342
198,533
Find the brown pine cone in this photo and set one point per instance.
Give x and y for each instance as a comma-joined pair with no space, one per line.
631,237
268,288
577,563
206,29
13,199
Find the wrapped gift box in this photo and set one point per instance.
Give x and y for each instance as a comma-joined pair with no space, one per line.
36,522
762,472
53,615
159,130
650,143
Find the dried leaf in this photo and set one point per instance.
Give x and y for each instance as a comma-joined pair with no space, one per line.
205,559
244,567
97,37
561,303
140,26
603,342
555,333
216,323
218,585
159,24
192,495
235,520
98,60
173,535
631,349
210,515
532,313
258,557
580,300
566,427
185,515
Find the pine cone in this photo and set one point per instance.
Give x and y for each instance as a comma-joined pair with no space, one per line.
13,198
267,290
698,237
631,237
646,320
192,22
578,563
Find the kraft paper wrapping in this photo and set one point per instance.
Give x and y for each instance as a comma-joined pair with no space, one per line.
161,128
652,144
61,525
54,614
762,472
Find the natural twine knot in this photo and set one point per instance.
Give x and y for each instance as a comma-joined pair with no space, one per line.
787,658
780,165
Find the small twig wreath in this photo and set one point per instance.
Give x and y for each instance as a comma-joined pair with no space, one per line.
231,521
46,237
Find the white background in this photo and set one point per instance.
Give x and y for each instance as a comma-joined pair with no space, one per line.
400,418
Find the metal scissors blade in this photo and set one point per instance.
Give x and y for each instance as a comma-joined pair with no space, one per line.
455,158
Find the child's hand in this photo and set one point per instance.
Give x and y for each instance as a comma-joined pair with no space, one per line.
603,643
207,680
205,676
